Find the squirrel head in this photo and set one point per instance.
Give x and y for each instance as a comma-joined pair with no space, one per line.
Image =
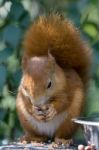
42,78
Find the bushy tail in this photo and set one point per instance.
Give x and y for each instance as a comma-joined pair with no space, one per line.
62,39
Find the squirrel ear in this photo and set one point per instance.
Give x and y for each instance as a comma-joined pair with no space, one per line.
25,62
50,56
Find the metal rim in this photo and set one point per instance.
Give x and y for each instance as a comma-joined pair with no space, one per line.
85,122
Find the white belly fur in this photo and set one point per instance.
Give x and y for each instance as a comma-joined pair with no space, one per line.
45,128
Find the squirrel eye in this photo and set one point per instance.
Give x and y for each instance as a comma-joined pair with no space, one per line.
49,85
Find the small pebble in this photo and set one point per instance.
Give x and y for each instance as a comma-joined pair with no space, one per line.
50,147
64,146
24,142
49,141
54,145
37,144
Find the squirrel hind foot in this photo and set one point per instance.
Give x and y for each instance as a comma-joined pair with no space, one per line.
62,143
32,139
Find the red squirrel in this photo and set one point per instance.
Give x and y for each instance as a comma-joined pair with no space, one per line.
52,91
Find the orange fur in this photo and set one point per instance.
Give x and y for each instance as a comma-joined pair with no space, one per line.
62,39
67,68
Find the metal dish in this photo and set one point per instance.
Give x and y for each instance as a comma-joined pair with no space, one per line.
91,129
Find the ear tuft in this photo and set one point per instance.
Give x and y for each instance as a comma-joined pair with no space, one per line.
50,56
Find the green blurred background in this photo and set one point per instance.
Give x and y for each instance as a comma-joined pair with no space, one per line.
15,17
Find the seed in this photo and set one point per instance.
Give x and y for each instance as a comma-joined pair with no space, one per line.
88,148
80,147
93,146
24,142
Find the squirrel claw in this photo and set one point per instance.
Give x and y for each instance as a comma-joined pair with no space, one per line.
51,113
63,142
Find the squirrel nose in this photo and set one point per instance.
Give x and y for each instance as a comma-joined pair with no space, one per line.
40,108
40,101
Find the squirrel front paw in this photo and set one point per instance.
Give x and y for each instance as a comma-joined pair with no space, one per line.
61,143
51,112
38,113
44,113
